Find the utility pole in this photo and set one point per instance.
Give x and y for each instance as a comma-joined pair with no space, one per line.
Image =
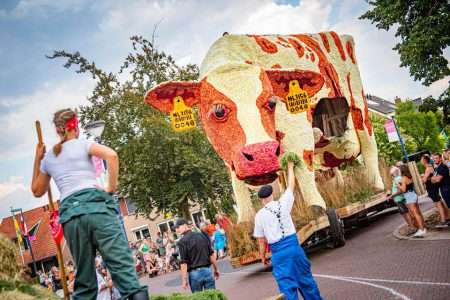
402,144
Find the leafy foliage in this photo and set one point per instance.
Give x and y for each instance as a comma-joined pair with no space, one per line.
423,28
420,131
389,152
160,170
205,295
444,103
290,156
440,106
13,284
421,127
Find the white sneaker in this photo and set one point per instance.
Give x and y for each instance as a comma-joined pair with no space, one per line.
420,233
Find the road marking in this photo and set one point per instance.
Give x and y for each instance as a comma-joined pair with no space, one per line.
390,290
391,281
394,281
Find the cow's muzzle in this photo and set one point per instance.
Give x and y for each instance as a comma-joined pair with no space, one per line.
257,164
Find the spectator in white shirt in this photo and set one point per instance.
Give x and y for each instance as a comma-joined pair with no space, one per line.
273,225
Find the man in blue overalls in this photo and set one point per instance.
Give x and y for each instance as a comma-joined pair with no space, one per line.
273,225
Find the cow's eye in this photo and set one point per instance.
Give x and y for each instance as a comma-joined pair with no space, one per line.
271,104
220,112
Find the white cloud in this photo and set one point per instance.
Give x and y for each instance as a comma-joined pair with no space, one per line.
186,30
42,8
14,193
14,183
18,133
379,64
271,18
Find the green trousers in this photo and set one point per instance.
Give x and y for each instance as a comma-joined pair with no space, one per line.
87,233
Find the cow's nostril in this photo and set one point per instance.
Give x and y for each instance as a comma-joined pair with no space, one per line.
277,153
249,157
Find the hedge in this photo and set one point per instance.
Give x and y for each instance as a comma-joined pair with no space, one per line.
206,295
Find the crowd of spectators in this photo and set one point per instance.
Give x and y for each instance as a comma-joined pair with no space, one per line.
52,279
161,255
436,179
155,257
151,257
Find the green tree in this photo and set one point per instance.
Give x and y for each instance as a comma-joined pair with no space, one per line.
423,28
429,104
421,127
389,152
161,171
440,106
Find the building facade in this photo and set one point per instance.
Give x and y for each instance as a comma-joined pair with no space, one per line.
138,227
43,246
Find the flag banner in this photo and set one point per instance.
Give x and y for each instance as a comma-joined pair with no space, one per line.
100,171
391,131
56,228
23,225
18,232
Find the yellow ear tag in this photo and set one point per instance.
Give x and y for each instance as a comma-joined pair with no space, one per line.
182,117
297,100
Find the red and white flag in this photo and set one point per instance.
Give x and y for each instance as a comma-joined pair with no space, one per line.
56,228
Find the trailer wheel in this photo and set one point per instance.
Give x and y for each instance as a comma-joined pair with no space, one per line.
336,229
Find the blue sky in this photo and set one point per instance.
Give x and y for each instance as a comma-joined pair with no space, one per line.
33,87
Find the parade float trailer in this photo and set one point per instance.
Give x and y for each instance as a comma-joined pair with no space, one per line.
259,97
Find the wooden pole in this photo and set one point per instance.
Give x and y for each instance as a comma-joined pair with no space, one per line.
52,208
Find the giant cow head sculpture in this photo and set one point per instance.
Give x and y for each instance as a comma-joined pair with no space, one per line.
237,105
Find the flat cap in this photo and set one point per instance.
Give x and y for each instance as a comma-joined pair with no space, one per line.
179,222
265,191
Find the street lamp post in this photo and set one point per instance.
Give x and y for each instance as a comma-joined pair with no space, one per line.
95,129
402,143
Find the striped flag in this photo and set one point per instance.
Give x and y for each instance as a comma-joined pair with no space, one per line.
18,231
24,228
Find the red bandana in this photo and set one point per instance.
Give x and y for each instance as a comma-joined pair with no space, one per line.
72,124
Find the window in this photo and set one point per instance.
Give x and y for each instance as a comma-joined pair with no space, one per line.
131,207
167,226
198,217
330,115
142,233
138,235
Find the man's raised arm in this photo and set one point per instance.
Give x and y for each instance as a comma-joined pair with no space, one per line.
291,176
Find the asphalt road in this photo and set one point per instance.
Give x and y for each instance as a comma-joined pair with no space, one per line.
372,265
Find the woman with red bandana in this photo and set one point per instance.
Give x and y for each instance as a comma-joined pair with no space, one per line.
87,213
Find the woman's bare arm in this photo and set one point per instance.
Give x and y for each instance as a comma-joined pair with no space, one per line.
39,182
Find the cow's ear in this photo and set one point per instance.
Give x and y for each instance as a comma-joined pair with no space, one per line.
161,96
309,81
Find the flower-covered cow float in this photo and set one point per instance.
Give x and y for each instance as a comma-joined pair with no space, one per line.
243,95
